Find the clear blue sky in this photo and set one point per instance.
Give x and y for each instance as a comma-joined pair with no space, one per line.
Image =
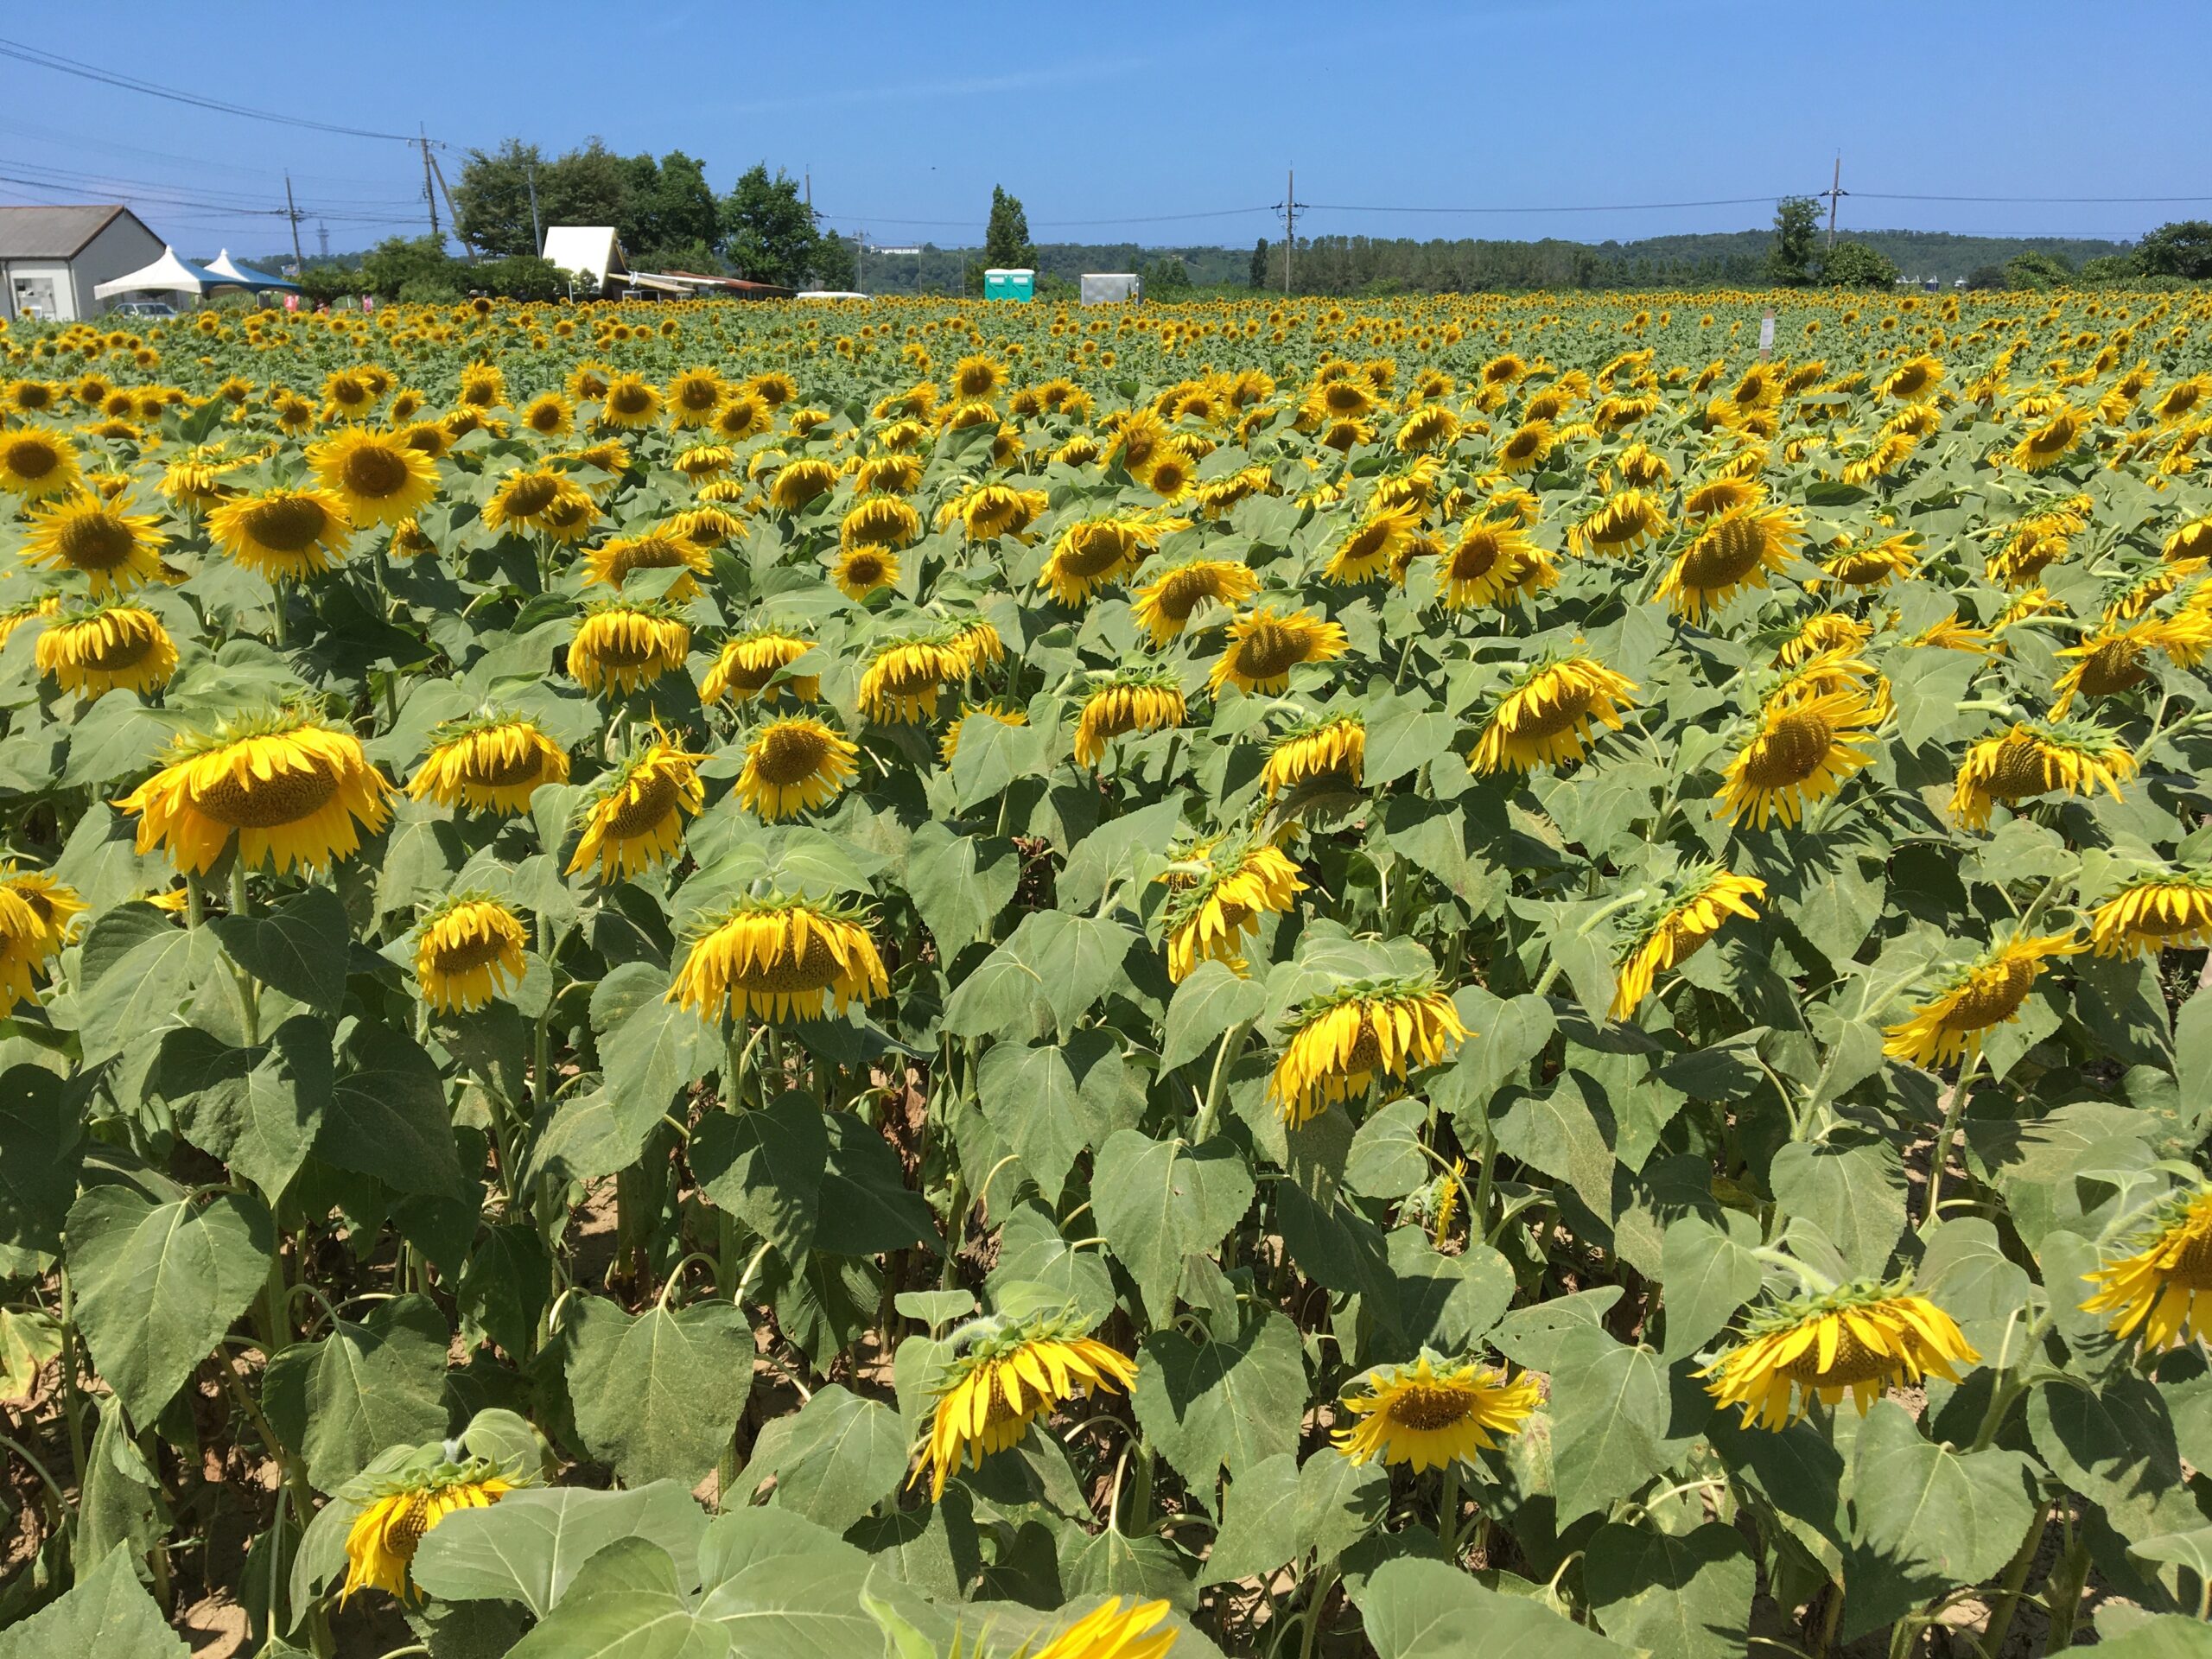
1102,117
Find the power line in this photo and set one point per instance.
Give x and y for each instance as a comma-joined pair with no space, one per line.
80,179
2115,201
1605,208
61,65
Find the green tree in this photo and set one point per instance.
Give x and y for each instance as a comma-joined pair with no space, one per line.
1796,235
1855,264
837,263
1007,245
674,207
411,267
1166,279
768,233
1259,277
591,186
519,276
2037,269
492,198
2110,268
2183,248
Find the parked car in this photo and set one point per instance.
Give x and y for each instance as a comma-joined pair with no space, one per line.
146,309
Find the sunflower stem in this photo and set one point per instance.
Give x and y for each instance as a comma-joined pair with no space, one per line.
1232,1041
1940,1156
1448,1512
2016,1574
248,995
1811,1277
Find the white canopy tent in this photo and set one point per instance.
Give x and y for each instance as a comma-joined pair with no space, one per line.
229,270
167,275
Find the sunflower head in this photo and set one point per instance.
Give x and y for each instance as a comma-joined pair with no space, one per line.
1433,1412
1859,1339
1806,746
118,646
1988,991
1164,606
283,534
747,665
1143,699
1331,749
468,949
2038,757
636,817
1264,644
1339,1041
1219,893
1735,549
619,647
905,675
380,1544
1545,720
34,465
2153,912
795,765
114,548
2159,1294
377,479
493,764
611,562
1007,1374
778,957
1622,523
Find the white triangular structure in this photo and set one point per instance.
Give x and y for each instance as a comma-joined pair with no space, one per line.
230,270
167,275
590,250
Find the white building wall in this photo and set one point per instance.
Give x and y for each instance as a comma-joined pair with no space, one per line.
123,245
24,279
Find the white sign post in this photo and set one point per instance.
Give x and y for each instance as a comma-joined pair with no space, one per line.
1766,337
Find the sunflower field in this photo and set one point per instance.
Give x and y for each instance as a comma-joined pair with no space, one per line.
1405,978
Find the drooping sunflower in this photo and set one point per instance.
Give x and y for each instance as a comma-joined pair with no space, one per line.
1735,549
1622,523
379,479
525,496
283,534
747,665
1434,1412
1142,699
2191,540
1263,646
1523,449
905,677
2162,909
1163,606
1805,747
2036,757
1339,1041
1720,495
380,1544
1010,1374
801,481
1492,564
1333,749
1092,552
619,647
468,949
636,820
1675,927
1108,1632
36,465
492,765
881,522
2160,1293
864,570
116,646
2050,442
1861,1339
1219,895
1869,564
1545,720
115,549
778,957
1370,548
993,509
2111,660
37,916
1988,991
610,563
1827,631
794,765
294,791
630,402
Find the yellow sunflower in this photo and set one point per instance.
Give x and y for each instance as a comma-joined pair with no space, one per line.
1492,564
694,396
618,648
1804,748
281,533
630,402
525,495
1523,449
1338,1042
794,765
1010,1374
1545,720
294,791
2163,911
777,958
468,951
2035,758
862,570
1263,647
549,415
1134,700
1163,607
1333,750
1861,1339
36,916
115,549
1210,915
1696,906
610,563
1869,564
2111,660
747,665
2050,442
1734,551
36,465
380,1544
1370,548
882,522
636,820
379,479
994,510
905,677
1434,1412
117,645
1620,525
1987,992
493,764
1107,1632
800,481
2160,1293
1093,552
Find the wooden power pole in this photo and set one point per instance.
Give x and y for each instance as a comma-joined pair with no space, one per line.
1834,192
292,212
429,192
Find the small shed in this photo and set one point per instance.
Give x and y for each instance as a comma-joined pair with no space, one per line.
1001,283
593,250
53,258
1111,287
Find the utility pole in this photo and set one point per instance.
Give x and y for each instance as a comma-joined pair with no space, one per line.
322,238
428,194
536,230
1834,192
455,212
860,249
292,212
1289,207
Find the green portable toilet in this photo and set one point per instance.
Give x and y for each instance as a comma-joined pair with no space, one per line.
1000,284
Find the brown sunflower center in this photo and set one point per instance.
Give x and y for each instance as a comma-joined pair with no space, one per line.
864,570
1427,1407
291,524
2112,667
1180,593
1855,1362
124,647
32,458
2021,768
1477,551
257,803
96,542
791,753
1724,555
404,1532
531,494
630,400
1992,995
645,806
1789,750
1095,550
2191,1266
501,769
1549,719
1271,650
478,949
811,968
698,396
376,472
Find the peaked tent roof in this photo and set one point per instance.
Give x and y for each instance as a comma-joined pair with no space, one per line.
245,276
54,232
593,248
167,275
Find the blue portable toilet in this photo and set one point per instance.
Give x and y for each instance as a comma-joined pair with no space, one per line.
1005,284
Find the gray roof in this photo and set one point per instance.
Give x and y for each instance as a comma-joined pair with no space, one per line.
52,232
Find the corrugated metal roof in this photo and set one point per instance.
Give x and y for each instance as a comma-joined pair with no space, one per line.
51,232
